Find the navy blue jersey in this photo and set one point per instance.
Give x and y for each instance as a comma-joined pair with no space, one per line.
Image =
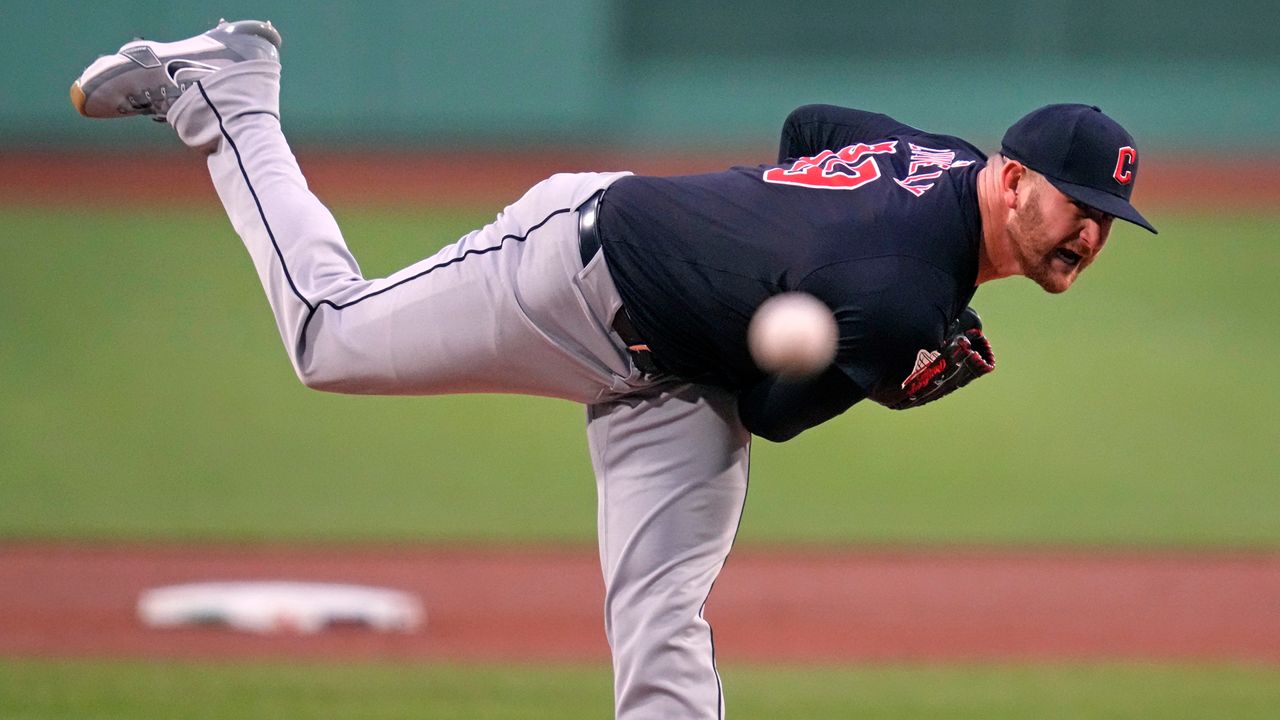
873,217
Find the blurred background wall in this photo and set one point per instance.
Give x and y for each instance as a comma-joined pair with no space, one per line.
684,73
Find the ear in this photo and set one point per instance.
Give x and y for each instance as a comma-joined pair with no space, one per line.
1013,174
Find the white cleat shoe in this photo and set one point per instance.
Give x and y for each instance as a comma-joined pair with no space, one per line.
145,77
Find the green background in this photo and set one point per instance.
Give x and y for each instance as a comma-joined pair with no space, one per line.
149,395
1177,73
145,394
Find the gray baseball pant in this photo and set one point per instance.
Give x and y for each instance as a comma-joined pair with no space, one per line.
507,308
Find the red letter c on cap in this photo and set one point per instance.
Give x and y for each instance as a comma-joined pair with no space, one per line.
1123,174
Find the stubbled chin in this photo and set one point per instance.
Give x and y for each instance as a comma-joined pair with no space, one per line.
1052,278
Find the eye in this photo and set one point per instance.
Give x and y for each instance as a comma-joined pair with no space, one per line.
1090,212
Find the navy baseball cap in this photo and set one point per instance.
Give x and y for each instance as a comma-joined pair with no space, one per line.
1083,153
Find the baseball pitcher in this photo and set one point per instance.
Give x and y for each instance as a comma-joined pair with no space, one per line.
632,295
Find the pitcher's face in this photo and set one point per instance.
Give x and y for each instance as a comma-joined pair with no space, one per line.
1054,237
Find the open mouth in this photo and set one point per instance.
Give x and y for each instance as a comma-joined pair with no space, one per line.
1067,257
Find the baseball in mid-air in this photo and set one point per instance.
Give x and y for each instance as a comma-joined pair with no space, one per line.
792,335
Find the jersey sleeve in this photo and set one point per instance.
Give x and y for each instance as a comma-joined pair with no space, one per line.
810,129
778,409
887,313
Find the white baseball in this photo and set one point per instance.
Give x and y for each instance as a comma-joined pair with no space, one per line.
793,335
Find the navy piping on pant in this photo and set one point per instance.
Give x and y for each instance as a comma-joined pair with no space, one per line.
254,193
313,308
710,631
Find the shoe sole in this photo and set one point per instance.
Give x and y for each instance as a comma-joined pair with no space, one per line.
77,98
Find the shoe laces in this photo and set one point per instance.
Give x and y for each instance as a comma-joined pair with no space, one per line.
153,100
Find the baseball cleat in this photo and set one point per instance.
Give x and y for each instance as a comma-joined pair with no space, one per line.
146,77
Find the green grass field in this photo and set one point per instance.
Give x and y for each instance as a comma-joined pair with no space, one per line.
147,395
47,690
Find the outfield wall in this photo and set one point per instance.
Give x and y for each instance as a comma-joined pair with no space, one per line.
689,72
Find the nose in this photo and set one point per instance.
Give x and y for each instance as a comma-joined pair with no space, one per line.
1095,232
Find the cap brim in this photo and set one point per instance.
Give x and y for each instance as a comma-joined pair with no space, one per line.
1104,201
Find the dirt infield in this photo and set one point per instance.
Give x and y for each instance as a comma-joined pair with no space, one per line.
800,606
491,179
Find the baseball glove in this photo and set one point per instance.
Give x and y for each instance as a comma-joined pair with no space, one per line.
965,356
